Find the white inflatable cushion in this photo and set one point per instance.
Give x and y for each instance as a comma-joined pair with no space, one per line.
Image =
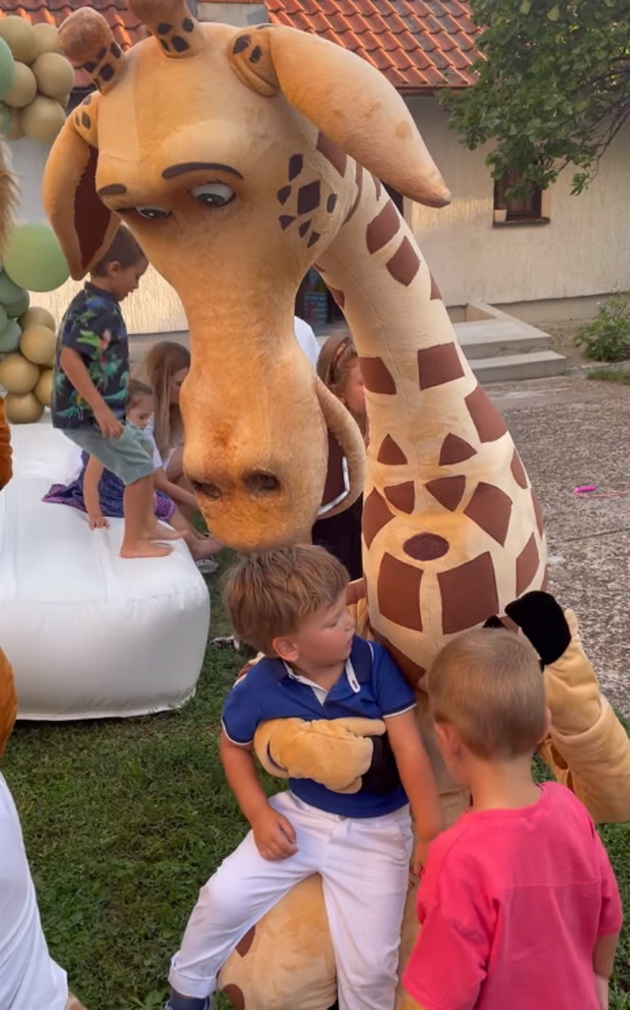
88,633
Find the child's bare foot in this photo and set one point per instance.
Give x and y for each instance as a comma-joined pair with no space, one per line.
144,549
203,548
159,532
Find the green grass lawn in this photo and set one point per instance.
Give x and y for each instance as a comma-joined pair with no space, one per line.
605,373
124,820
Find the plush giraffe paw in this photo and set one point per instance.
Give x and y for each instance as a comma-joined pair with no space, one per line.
542,620
335,753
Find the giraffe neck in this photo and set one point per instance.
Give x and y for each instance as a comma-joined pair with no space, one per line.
424,405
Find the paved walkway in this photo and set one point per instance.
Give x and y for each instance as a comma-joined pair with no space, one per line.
570,432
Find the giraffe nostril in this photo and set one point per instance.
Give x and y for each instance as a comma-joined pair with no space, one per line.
207,490
257,482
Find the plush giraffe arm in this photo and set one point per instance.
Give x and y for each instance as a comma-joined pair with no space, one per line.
334,753
588,748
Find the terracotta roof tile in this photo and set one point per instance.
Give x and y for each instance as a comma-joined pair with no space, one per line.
418,44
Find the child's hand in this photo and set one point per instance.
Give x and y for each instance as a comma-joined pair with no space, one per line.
109,424
273,834
98,522
420,854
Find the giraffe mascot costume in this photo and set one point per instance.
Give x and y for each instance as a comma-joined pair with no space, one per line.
239,158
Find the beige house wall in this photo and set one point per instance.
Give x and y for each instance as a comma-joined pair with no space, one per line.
541,272
583,251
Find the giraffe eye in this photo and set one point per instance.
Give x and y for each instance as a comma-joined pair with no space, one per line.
153,213
213,194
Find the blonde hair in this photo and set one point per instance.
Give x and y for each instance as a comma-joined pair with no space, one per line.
488,685
160,365
137,391
335,362
268,594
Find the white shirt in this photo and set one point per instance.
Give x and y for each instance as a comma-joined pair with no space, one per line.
306,339
29,978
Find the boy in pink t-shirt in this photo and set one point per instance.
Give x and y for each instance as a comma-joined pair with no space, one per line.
518,905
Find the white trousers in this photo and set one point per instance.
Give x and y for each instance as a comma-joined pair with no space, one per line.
364,865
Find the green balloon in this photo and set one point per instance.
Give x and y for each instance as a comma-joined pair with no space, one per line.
3,318
7,69
33,258
10,337
19,306
9,292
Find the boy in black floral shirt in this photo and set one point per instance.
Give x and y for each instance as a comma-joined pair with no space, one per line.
90,390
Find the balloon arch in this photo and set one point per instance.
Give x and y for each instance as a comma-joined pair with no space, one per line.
35,85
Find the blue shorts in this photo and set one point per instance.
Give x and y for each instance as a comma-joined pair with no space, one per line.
129,457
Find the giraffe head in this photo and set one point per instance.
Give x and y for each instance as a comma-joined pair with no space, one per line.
231,156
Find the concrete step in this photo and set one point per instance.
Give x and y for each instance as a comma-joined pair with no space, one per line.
489,338
511,367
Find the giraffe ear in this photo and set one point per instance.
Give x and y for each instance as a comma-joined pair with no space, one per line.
82,223
346,98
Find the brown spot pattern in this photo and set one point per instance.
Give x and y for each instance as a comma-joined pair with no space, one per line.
334,483
434,294
491,509
243,945
309,197
285,221
518,470
377,376
455,450
527,565
469,594
488,422
448,491
339,297
426,547
337,158
86,208
359,183
540,522
390,453
376,515
404,264
402,496
412,671
235,995
382,228
283,194
296,164
355,592
398,592
438,364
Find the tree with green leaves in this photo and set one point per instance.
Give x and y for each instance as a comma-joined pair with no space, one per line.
553,86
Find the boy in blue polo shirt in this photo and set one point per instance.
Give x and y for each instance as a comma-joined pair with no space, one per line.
290,604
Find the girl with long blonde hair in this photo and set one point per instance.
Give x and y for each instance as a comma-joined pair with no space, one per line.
164,368
339,369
